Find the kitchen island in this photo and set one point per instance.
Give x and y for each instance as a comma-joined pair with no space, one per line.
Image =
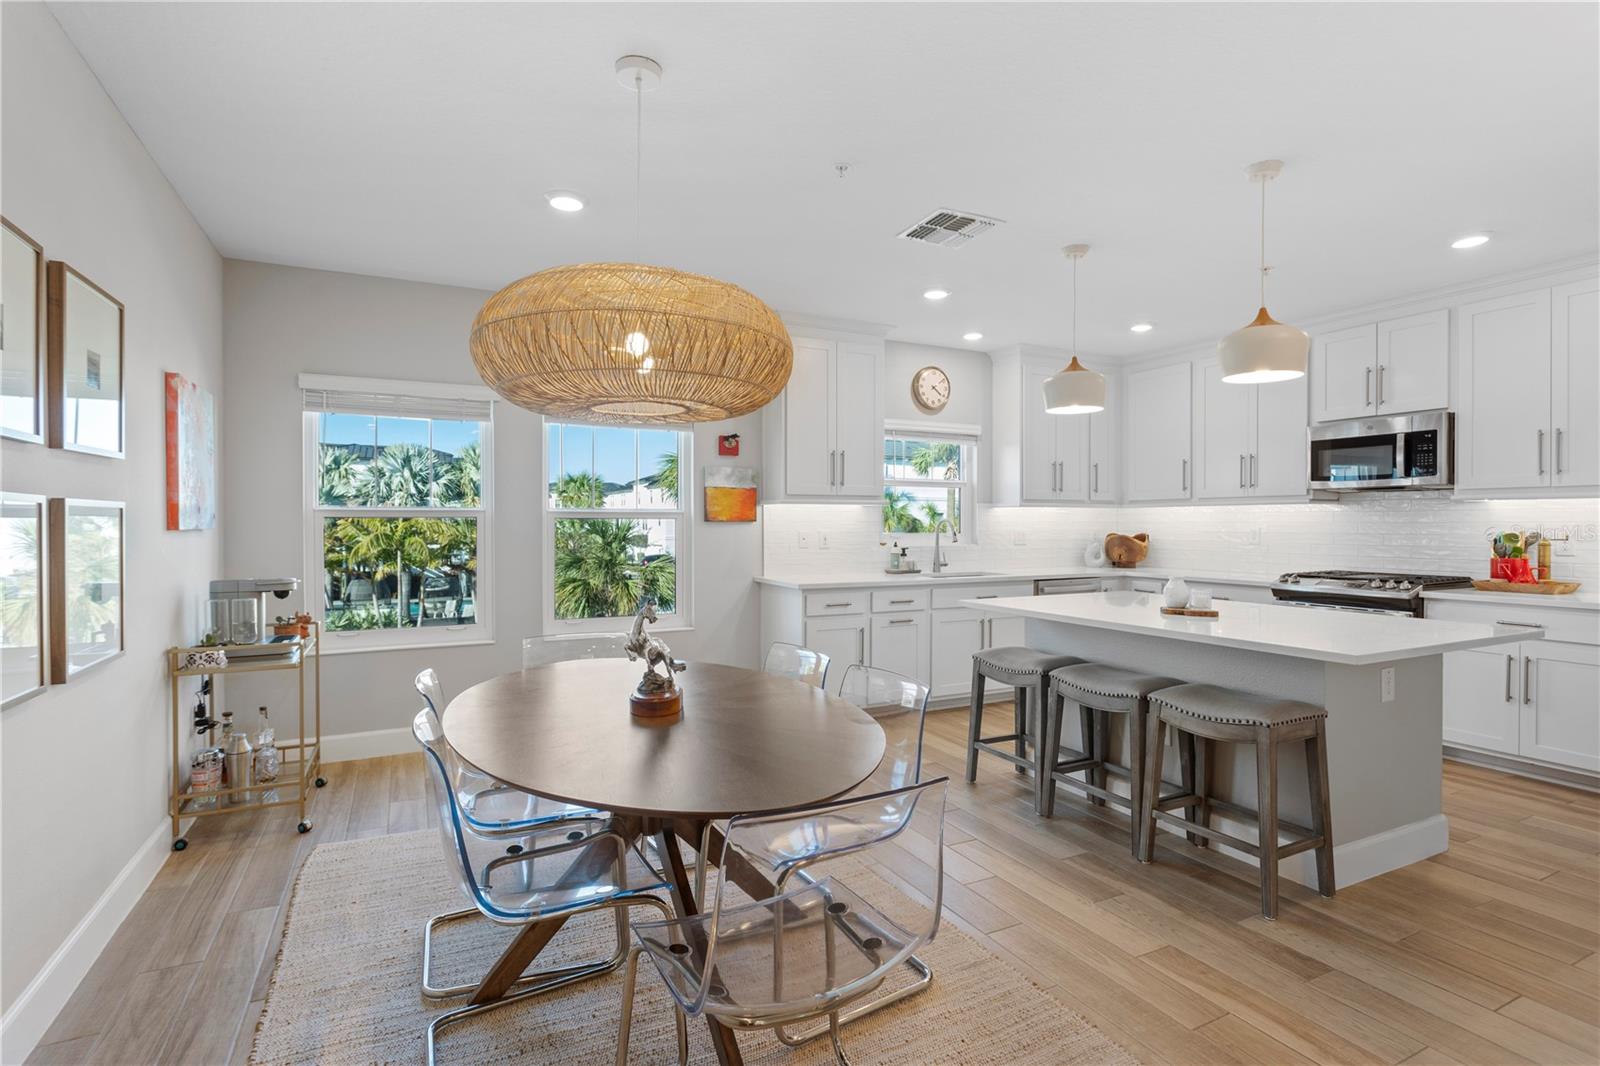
1379,676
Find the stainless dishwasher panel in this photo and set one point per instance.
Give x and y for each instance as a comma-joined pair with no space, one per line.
1065,586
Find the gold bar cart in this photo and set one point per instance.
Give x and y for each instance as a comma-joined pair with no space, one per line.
293,788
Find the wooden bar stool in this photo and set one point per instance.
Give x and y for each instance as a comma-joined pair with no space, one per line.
1211,712
1027,672
1099,691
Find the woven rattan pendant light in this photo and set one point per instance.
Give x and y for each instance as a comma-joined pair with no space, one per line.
630,343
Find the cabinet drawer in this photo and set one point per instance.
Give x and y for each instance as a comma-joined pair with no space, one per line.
844,601
899,600
951,596
1560,623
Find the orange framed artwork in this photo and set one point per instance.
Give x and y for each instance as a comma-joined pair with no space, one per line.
191,455
730,494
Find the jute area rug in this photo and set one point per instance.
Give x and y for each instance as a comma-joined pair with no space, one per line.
346,985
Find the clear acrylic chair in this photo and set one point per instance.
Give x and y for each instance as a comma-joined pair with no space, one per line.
516,877
816,946
539,651
900,705
491,805
802,664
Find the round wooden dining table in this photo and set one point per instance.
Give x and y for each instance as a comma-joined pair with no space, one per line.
746,742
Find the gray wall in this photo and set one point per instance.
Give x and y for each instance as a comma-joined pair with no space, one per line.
78,181
280,321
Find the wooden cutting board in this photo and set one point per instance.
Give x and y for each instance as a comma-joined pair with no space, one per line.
1542,588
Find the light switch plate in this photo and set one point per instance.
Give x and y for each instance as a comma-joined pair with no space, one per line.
1018,538
802,541
1387,683
822,541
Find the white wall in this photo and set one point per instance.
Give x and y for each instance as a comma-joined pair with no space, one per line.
280,321
85,765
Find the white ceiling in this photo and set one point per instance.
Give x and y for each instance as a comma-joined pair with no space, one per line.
417,140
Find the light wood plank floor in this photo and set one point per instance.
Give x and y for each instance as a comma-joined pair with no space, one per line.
1486,954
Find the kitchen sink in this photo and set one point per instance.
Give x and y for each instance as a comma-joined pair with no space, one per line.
960,573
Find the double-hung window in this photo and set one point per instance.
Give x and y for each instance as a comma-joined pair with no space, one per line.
928,480
616,525
397,479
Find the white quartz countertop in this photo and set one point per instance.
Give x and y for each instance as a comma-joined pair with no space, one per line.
1344,637
1582,600
960,575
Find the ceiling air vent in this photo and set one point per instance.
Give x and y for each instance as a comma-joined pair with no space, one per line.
951,229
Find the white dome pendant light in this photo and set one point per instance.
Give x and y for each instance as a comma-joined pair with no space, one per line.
1266,350
1076,390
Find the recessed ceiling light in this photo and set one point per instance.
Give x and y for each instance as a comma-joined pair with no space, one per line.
936,294
972,336
1142,327
1471,240
564,200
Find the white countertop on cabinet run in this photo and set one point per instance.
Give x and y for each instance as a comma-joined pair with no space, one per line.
823,579
1343,637
1582,600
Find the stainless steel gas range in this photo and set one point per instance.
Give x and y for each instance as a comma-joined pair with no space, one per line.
1372,591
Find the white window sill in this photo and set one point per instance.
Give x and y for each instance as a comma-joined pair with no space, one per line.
330,645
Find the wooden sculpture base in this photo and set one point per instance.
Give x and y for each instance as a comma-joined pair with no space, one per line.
655,704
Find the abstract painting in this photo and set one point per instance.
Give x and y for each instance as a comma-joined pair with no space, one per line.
191,455
730,494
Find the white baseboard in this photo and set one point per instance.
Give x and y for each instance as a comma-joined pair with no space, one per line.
341,747
36,1008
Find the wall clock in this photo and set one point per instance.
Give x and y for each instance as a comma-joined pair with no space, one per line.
930,389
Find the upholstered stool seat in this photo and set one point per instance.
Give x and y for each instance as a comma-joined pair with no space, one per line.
1214,713
1027,672
1098,690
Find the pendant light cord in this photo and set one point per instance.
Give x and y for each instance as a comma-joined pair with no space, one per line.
638,158
1075,304
1264,266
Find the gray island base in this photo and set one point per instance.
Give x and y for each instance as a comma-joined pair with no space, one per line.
1380,678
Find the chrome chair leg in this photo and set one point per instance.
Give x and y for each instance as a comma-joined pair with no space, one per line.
625,1022
833,1034
429,991
551,979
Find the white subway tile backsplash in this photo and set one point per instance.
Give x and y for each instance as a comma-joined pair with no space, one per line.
1419,532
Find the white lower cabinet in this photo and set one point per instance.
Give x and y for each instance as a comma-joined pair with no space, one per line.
842,638
959,633
1535,700
900,643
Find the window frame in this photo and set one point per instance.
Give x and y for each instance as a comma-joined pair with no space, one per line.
682,616
336,642
969,439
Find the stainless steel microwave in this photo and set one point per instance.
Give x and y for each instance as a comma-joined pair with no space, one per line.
1404,452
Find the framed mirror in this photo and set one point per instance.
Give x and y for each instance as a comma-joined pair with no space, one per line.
87,411
21,335
23,659
86,570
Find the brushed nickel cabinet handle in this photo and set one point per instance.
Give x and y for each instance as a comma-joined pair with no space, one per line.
988,596
1241,470
831,456
901,621
1097,477
846,603
841,467
1511,662
1541,451
902,601
1186,475
1380,384
1252,469
1527,680
1558,450
1369,386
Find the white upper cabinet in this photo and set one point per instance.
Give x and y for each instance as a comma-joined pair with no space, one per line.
1413,368
824,435
1038,457
1251,438
1575,383
1343,364
1159,410
1387,368
1503,431
1102,472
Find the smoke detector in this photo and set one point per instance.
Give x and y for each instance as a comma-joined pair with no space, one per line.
949,229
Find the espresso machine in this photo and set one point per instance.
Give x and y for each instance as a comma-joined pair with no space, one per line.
239,614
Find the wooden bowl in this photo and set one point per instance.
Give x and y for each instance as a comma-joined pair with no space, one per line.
1127,552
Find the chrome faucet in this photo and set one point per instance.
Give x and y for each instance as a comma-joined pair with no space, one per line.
939,561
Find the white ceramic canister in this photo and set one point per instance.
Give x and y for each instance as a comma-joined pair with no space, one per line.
1176,592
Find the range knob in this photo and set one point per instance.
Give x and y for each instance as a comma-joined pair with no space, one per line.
1375,583
1405,586
1391,584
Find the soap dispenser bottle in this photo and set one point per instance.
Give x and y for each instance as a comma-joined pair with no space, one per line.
894,556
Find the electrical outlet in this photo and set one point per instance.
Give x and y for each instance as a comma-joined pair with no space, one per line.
1386,676
822,542
1018,538
803,541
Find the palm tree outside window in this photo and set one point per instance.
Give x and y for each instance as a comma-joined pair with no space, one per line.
927,484
616,521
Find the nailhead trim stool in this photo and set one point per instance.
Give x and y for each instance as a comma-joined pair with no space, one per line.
1027,671
1211,712
1099,691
